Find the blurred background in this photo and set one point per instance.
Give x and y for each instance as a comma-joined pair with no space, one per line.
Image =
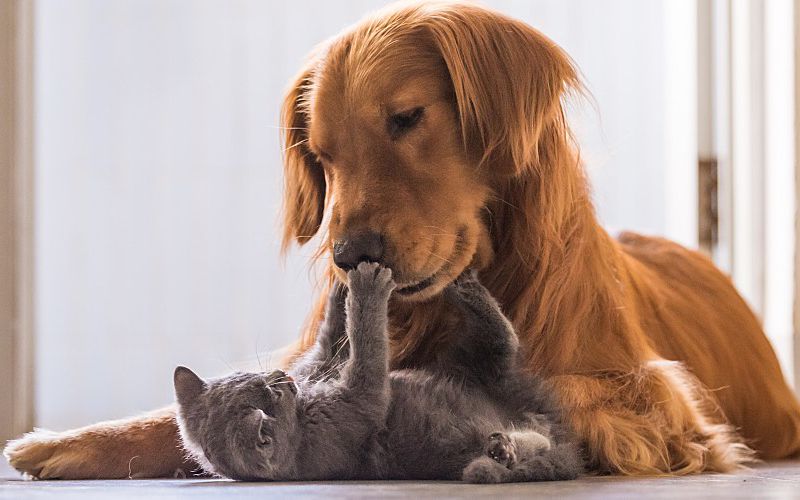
141,175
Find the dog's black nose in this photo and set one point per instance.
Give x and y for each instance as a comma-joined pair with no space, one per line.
362,247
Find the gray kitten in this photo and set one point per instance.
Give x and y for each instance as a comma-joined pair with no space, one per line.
341,414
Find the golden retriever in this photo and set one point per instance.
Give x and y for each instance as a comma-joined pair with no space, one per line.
432,138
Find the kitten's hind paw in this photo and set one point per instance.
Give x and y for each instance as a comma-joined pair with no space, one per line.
502,450
485,470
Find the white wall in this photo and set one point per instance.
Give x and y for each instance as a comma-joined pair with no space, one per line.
619,47
158,177
779,172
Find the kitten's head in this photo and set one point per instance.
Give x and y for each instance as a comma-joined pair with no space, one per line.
241,426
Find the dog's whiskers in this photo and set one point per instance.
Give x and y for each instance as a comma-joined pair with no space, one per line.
443,259
288,128
298,143
445,233
501,200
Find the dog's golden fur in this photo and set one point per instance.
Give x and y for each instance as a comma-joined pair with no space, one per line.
657,360
599,317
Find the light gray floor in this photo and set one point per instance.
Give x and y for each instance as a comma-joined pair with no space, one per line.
779,480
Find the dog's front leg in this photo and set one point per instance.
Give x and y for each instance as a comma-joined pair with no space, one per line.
655,419
137,447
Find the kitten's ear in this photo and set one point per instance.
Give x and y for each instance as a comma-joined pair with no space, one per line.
187,385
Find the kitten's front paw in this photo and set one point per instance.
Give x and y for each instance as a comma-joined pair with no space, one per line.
466,284
467,290
501,449
469,277
370,278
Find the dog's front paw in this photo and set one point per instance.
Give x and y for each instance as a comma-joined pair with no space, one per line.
44,454
370,279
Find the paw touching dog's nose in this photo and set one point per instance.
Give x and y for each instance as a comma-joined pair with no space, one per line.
362,247
370,280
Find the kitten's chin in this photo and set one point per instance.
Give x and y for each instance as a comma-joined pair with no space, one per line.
284,470
277,472
193,450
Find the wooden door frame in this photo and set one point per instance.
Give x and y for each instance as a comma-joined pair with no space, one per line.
797,193
16,217
745,147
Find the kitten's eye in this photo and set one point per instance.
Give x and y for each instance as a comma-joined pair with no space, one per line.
278,393
400,123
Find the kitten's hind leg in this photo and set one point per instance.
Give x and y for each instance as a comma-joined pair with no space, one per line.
521,456
502,454
485,470
487,348
559,462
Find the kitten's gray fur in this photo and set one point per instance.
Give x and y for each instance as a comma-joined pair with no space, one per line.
341,414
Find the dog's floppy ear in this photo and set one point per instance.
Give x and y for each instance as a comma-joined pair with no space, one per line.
508,80
304,178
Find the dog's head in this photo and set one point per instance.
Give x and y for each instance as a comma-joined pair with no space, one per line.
401,132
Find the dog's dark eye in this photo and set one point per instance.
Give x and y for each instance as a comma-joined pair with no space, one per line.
400,123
